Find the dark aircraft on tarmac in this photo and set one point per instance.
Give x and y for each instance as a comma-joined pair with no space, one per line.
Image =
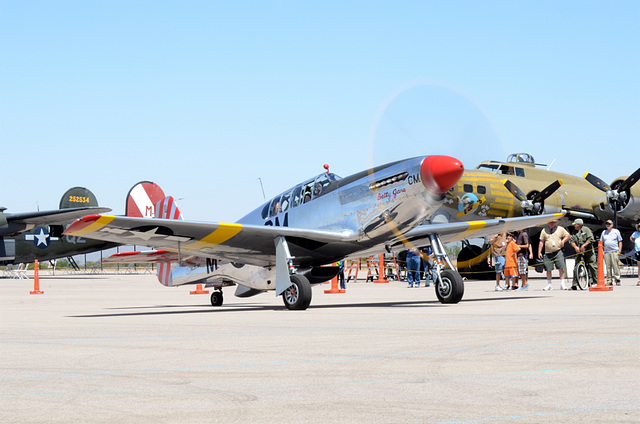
26,237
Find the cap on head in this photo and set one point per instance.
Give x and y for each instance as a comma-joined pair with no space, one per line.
609,222
578,222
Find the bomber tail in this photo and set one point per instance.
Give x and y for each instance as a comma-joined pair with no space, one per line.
78,197
142,199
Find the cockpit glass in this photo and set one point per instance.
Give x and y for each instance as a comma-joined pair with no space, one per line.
296,196
276,207
285,201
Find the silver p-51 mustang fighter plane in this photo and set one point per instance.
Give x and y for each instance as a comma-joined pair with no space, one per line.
283,244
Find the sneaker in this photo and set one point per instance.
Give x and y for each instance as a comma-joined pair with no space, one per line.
417,286
618,283
563,287
525,287
427,285
498,288
410,286
549,287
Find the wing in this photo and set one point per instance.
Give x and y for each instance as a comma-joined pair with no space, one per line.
456,231
19,222
248,244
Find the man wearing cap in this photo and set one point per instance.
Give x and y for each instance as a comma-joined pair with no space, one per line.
582,241
635,237
612,245
552,239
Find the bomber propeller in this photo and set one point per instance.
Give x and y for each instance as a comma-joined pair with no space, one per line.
617,196
535,205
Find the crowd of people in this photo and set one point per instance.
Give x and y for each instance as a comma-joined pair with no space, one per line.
511,253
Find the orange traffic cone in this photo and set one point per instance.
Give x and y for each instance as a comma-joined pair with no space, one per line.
381,277
334,287
36,280
601,286
199,290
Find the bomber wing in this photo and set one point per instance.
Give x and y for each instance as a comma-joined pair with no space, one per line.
248,244
456,231
15,223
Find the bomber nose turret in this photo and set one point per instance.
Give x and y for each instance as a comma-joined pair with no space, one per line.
440,173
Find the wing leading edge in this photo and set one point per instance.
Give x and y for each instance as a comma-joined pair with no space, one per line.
249,244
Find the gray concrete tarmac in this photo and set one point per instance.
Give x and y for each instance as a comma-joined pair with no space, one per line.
123,348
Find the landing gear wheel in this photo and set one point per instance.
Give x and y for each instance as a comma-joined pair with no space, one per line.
298,296
216,298
581,276
449,287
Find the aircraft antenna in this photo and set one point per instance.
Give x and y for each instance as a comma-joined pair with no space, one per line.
550,165
263,196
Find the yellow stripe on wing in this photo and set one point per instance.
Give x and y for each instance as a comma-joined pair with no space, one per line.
468,233
94,226
223,233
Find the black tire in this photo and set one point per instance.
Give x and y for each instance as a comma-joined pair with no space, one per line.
449,287
298,296
581,276
217,298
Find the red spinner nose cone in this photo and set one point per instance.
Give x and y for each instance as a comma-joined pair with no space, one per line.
440,173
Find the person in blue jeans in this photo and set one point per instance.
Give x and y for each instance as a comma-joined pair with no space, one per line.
427,252
413,267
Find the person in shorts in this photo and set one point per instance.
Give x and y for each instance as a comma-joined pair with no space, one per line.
499,250
524,254
552,240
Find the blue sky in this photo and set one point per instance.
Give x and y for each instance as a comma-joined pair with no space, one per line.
207,98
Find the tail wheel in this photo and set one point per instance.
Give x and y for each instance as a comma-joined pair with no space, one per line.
298,296
449,287
582,276
216,298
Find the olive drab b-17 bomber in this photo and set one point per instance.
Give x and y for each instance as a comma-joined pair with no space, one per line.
38,235
520,187
284,244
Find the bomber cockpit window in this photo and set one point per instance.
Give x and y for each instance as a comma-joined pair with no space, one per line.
488,167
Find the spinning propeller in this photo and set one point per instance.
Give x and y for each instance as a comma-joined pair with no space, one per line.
618,195
534,205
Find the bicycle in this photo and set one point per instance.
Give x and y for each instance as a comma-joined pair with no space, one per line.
581,273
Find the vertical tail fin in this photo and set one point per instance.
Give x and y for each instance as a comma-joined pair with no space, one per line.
166,209
142,199
78,197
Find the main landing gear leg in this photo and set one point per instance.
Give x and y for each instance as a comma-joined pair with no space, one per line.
294,288
449,287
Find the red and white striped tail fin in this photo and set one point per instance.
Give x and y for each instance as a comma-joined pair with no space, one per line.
142,199
166,209
164,273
